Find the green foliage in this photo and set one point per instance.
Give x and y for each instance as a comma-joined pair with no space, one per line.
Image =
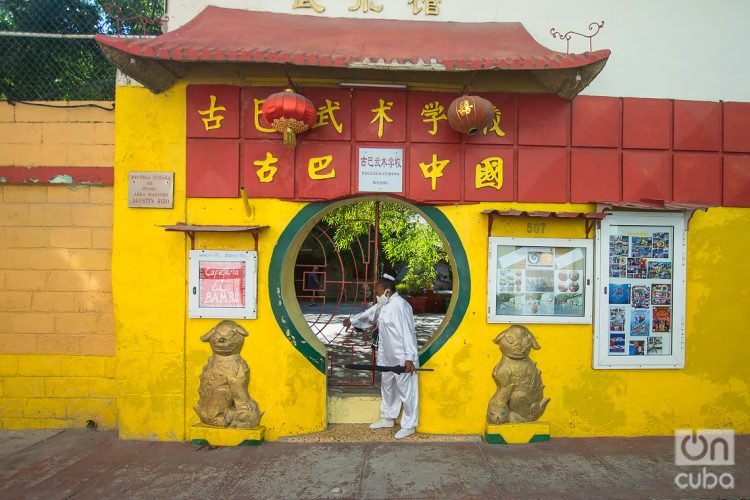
43,68
405,237
75,17
416,284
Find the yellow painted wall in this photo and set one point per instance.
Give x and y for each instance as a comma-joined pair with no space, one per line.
57,339
53,392
160,355
57,342
157,345
710,392
56,134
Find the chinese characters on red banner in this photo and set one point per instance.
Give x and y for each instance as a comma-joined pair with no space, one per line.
432,161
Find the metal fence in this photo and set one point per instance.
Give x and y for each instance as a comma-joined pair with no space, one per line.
48,51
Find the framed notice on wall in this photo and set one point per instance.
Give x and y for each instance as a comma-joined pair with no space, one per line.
381,170
223,284
640,291
539,280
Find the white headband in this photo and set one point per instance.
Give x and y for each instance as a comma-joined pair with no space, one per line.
388,277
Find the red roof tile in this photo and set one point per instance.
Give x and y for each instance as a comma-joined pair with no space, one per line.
230,35
218,34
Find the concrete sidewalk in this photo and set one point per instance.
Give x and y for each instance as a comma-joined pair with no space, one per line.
81,464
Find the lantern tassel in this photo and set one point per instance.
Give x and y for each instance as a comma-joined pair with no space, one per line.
290,138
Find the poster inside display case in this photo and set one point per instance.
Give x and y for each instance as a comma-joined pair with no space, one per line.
223,284
539,280
641,291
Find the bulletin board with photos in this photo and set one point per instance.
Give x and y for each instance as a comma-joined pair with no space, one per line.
641,291
539,280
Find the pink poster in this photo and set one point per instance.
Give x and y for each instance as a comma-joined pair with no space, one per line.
222,284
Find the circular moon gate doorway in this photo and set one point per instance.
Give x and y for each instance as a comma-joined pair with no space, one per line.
337,267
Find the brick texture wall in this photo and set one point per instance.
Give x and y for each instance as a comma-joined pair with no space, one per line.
57,340
32,136
55,259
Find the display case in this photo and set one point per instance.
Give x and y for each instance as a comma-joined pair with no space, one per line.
223,284
539,280
640,291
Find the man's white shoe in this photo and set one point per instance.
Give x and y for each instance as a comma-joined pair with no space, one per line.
383,423
404,432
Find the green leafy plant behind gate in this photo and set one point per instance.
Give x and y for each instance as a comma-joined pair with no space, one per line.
406,239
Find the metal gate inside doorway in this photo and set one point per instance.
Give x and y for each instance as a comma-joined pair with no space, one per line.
332,284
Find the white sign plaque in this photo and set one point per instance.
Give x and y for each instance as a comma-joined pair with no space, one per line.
150,189
381,170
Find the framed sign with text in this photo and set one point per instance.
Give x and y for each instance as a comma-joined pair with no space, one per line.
150,189
223,284
540,280
381,170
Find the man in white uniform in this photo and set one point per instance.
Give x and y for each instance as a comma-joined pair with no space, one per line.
397,345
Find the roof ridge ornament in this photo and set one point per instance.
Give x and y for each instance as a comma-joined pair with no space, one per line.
567,36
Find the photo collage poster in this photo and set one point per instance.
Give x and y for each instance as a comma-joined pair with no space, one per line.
640,290
540,281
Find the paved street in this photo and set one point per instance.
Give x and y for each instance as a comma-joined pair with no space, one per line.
80,464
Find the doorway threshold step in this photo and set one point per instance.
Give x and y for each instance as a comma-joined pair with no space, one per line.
353,408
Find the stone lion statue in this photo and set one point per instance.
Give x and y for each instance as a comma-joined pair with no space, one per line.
520,392
223,397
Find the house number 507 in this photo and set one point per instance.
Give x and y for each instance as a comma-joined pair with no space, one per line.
535,228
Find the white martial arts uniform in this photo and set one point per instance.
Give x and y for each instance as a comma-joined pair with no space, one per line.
397,344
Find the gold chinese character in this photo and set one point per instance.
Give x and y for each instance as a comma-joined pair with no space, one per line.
308,4
495,125
432,112
431,7
489,173
213,121
380,115
316,165
258,112
433,170
365,5
267,169
464,108
325,113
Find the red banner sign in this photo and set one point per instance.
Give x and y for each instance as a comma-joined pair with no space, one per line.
326,162
538,148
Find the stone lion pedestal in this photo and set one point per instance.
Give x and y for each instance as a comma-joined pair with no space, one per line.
527,432
201,434
229,415
514,410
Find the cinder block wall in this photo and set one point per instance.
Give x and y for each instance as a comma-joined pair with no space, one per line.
33,135
57,342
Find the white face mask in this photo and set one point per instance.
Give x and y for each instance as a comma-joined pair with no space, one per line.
382,299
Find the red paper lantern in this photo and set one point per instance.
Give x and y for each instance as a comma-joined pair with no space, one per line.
290,114
470,113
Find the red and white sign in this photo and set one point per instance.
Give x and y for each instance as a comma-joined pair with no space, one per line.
223,284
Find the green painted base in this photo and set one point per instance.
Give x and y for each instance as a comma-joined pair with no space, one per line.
202,435
529,432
